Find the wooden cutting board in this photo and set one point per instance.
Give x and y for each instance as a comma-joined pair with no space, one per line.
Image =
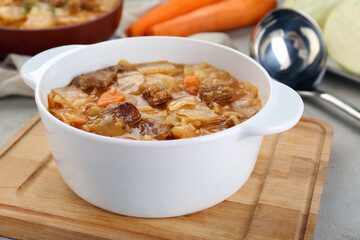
279,201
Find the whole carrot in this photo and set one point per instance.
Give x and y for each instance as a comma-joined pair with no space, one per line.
220,16
166,11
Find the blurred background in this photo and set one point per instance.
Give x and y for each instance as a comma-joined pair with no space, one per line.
339,209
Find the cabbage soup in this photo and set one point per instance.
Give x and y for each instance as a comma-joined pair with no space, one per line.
155,101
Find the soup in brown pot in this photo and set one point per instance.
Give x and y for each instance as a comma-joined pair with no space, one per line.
35,14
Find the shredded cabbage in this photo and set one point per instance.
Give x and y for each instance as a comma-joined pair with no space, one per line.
201,112
162,80
158,67
73,97
130,82
181,102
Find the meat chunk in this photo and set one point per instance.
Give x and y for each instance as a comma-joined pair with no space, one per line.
124,110
113,120
90,5
74,5
99,79
55,3
157,130
216,93
156,95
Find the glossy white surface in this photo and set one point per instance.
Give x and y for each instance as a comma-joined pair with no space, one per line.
164,178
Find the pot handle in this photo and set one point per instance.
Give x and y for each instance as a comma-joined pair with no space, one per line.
284,110
32,71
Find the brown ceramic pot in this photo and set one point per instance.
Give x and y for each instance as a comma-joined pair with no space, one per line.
33,41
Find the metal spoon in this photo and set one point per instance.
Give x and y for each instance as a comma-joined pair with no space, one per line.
290,46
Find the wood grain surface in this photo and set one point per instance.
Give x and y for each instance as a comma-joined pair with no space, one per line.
279,201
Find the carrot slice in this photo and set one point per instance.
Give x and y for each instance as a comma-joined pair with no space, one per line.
166,11
110,96
219,16
192,84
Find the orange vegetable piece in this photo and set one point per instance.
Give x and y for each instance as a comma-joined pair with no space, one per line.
192,84
110,96
219,16
168,10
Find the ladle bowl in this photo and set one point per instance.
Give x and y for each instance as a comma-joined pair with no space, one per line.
290,46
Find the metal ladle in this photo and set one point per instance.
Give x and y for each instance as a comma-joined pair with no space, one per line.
290,46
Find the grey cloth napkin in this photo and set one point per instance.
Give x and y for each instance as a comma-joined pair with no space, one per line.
12,84
10,80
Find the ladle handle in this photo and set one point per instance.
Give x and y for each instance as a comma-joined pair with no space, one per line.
342,105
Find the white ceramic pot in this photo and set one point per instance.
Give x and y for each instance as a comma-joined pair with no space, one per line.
163,178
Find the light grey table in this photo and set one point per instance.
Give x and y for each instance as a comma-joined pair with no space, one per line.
339,215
